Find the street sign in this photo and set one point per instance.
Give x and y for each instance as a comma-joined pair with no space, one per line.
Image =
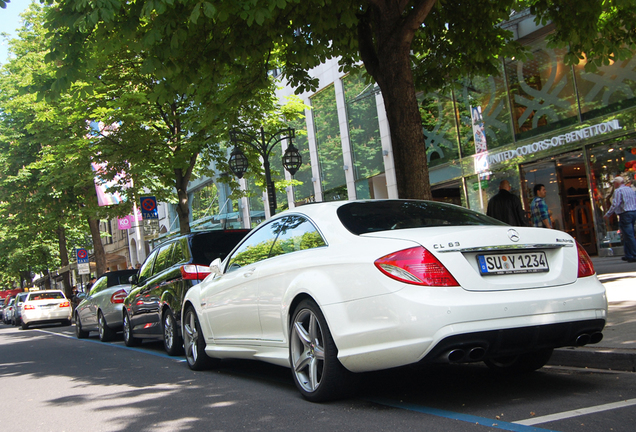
82,256
149,207
83,268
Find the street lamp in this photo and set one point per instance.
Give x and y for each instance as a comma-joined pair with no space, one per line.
264,145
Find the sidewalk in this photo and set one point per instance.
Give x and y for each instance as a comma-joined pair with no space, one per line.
617,350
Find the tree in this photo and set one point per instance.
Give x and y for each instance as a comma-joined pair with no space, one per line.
47,185
172,106
405,45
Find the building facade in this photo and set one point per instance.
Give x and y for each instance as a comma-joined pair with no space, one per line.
537,122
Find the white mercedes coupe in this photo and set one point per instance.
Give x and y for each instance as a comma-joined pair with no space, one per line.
337,288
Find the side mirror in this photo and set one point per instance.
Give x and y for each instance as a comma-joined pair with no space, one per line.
215,267
134,279
81,295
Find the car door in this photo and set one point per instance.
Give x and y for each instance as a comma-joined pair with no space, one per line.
88,310
230,301
150,295
290,254
135,302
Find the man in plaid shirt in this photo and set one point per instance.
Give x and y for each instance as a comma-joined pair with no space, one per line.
540,212
624,206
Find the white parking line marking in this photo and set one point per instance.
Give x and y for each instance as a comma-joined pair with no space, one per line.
577,412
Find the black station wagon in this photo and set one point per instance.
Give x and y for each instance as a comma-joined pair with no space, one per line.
152,310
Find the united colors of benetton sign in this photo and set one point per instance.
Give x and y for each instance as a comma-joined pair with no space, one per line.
556,141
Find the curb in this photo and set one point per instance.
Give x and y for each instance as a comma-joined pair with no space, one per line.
595,358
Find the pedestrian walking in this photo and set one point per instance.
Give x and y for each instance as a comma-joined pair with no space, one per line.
540,213
506,207
624,206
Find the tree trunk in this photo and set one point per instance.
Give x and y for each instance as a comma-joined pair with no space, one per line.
385,34
182,180
47,279
407,137
98,247
183,210
25,279
66,279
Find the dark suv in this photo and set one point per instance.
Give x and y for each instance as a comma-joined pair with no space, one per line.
153,307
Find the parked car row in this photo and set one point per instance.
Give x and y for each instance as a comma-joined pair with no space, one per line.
146,304
334,289
38,307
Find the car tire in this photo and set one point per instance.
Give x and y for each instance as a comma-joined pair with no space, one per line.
522,363
79,332
316,370
106,334
129,339
194,343
172,342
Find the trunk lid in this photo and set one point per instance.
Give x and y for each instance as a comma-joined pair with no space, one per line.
515,257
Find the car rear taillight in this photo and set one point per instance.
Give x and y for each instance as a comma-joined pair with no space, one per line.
28,307
65,304
118,296
415,266
194,271
586,268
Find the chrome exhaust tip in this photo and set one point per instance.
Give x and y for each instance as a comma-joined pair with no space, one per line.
456,355
583,339
476,353
596,337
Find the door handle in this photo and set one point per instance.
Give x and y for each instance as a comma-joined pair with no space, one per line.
248,273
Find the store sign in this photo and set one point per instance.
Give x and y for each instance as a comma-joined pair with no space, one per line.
571,137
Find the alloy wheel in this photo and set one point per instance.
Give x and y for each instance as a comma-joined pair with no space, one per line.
191,338
307,350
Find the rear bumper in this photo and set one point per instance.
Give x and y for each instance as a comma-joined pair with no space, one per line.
478,346
41,317
424,324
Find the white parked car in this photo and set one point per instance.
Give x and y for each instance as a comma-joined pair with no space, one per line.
45,307
333,289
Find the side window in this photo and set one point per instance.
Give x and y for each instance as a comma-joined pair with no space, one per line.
163,259
101,284
146,269
179,255
257,246
297,234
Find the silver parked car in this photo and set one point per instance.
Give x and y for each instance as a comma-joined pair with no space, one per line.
101,309
16,320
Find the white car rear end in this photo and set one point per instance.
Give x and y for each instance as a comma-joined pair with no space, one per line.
44,307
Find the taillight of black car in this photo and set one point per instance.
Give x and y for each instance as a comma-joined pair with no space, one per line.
415,266
194,271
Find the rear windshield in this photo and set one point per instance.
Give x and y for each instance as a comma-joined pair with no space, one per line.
207,247
46,296
121,277
372,216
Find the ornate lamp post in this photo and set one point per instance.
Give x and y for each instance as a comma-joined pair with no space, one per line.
264,144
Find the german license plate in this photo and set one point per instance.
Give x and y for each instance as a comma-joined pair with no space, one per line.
525,262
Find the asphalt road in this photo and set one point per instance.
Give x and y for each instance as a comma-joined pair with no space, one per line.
50,381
